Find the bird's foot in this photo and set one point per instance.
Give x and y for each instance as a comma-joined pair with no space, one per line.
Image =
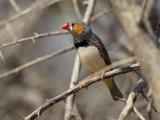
102,75
81,83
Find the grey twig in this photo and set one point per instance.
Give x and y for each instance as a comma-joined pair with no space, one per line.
149,109
37,36
86,82
76,9
130,101
130,17
89,11
39,5
135,110
70,105
15,5
33,38
35,61
144,7
139,115
101,14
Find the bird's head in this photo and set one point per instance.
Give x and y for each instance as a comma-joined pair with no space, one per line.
80,32
76,28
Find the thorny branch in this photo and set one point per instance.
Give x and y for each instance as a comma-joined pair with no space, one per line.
8,27
35,61
37,36
78,87
131,99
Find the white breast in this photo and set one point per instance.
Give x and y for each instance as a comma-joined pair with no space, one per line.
91,58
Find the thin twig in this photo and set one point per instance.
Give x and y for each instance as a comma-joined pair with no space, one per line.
131,99
149,109
35,61
139,115
89,12
129,16
75,89
128,107
40,5
101,14
15,5
144,7
148,101
147,6
70,104
135,110
29,15
34,37
76,9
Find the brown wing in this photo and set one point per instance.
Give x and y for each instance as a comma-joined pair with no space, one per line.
95,40
114,90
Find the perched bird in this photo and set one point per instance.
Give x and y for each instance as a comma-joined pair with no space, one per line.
92,52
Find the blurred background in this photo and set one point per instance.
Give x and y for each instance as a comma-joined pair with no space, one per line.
23,92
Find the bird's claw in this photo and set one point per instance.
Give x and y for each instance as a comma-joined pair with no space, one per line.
102,75
81,83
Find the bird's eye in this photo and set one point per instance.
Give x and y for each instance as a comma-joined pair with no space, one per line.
72,24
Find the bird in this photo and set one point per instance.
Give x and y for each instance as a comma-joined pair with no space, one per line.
92,52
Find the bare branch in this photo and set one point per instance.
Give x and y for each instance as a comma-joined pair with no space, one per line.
75,89
35,61
101,14
34,37
29,16
139,115
2,57
70,105
129,105
147,8
89,11
40,4
76,8
15,5
135,110
145,3
149,109
145,50
130,101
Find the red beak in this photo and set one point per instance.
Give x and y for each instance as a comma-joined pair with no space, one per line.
65,26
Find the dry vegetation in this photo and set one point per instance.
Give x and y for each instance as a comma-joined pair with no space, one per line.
40,71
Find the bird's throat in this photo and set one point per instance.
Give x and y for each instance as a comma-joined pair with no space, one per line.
91,58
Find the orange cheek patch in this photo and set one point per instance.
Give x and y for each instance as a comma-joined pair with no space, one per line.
78,29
